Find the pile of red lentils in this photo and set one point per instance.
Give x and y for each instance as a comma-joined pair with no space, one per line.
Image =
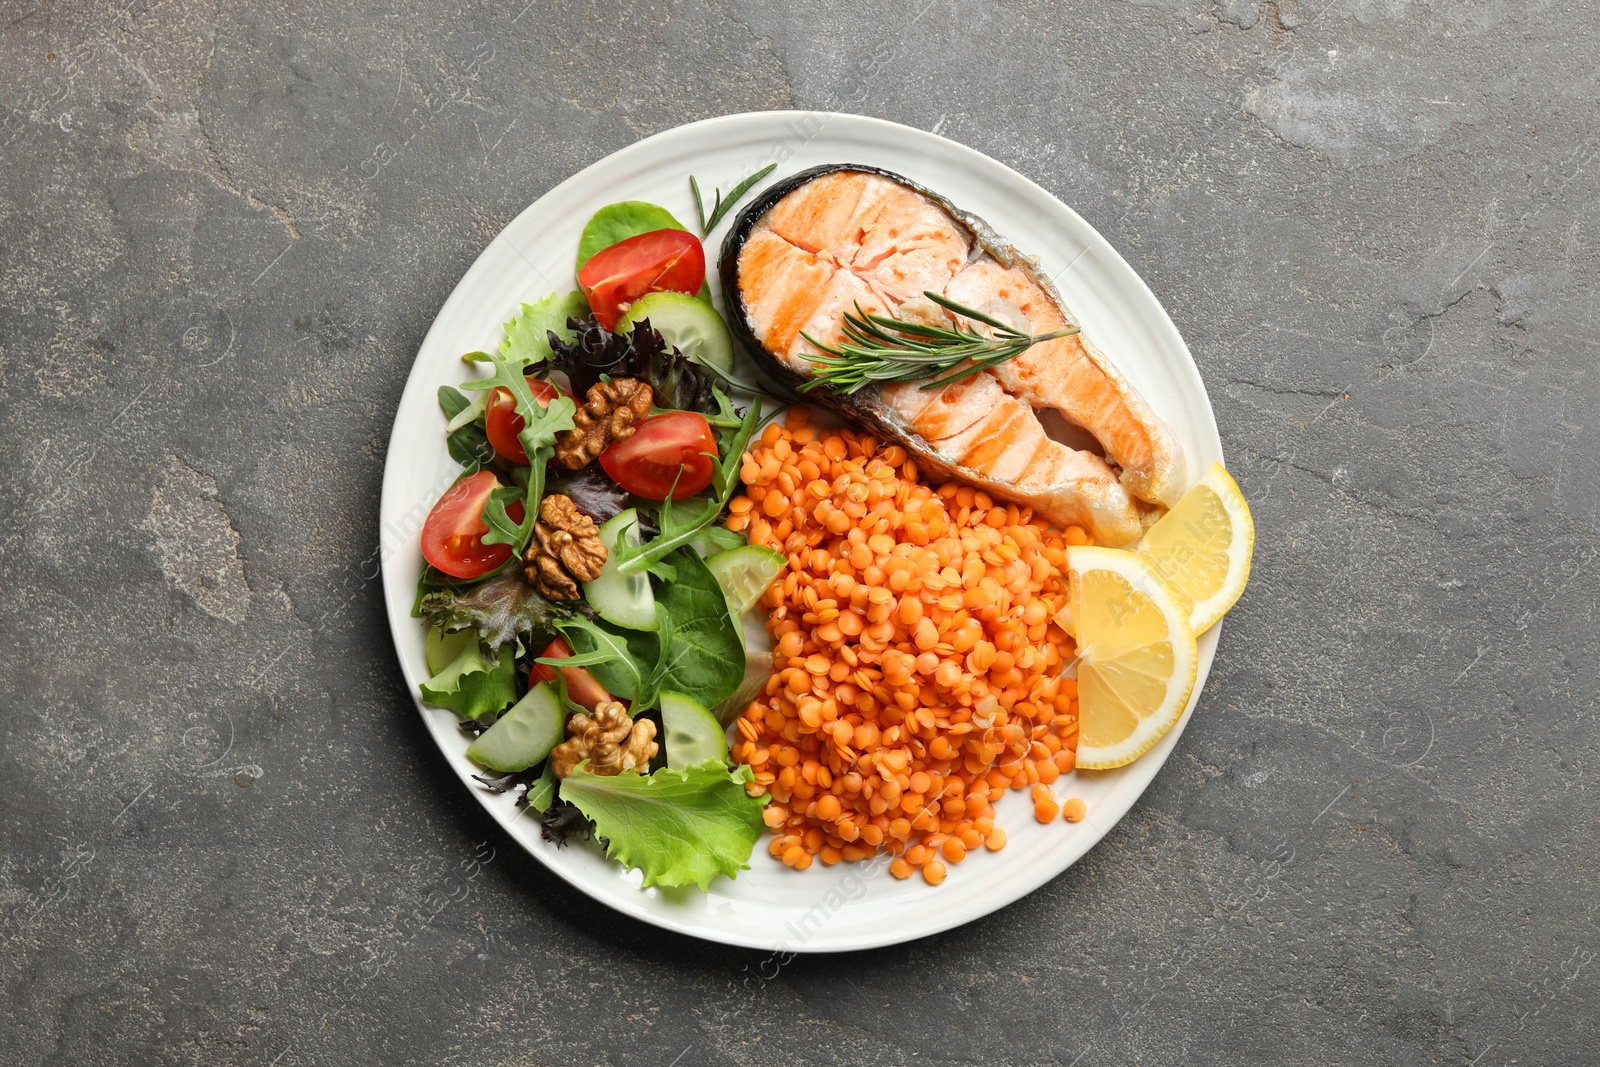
916,672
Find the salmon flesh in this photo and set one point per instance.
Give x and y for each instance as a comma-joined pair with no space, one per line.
829,240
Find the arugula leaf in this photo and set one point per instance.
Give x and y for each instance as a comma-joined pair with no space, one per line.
528,334
704,652
501,608
677,827
541,425
611,656
472,685
720,539
683,521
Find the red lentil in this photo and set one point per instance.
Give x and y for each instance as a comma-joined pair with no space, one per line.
915,670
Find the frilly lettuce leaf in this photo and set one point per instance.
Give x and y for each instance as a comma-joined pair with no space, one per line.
474,685
676,827
527,335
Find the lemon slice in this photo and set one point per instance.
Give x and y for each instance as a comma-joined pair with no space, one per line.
1203,546
1137,656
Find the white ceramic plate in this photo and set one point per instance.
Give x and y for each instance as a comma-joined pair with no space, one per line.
769,906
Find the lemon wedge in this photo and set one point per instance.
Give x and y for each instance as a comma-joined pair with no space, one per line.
1203,546
1137,654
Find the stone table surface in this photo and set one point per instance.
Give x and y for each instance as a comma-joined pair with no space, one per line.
226,228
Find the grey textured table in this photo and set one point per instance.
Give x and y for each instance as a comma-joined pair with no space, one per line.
228,840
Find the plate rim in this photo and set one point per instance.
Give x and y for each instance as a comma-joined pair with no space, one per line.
399,615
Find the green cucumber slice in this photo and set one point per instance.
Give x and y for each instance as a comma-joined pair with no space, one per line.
622,599
688,324
524,735
692,734
744,574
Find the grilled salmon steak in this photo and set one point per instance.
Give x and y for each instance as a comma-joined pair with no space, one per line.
827,241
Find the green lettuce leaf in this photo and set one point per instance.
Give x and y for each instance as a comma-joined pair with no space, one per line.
474,685
500,609
528,334
677,827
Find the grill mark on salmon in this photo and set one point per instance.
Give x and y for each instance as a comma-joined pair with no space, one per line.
809,251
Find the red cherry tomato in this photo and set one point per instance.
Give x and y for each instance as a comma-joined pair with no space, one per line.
584,689
502,423
452,536
650,461
654,262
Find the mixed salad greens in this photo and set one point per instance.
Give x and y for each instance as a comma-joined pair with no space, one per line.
583,598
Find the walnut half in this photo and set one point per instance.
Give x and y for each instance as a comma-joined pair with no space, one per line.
611,741
610,412
566,549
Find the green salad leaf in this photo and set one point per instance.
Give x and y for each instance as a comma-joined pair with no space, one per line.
650,689
528,334
474,685
705,655
676,827
618,222
468,444
501,609
612,656
542,790
541,425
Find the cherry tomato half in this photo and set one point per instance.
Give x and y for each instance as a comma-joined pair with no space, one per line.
654,262
452,536
584,689
502,423
650,461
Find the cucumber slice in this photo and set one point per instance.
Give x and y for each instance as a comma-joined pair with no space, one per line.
524,735
443,648
622,599
744,574
690,325
692,734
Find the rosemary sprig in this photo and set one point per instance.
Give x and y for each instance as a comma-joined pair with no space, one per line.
721,206
878,349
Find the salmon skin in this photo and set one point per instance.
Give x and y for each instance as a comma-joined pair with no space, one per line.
817,245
